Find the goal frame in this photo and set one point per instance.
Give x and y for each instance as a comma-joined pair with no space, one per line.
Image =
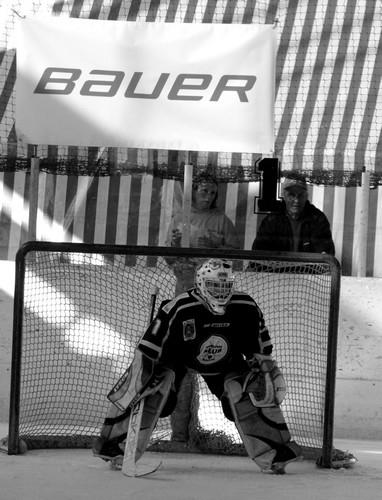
14,445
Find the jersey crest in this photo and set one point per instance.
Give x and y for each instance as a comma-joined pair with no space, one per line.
189,330
214,349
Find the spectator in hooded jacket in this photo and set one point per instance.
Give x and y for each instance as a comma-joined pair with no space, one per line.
209,228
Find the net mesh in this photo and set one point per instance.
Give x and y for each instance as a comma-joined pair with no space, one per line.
175,170
85,312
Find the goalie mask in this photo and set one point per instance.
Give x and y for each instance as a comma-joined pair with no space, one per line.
214,283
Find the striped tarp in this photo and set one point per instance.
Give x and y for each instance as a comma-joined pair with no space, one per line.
136,209
328,97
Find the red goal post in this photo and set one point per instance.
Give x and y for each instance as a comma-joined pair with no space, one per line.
79,310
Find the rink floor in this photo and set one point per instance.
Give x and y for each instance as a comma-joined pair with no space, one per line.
77,475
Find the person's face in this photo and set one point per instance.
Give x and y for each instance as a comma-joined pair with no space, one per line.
295,199
204,195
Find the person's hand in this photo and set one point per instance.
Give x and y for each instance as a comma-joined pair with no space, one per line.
211,240
176,238
204,242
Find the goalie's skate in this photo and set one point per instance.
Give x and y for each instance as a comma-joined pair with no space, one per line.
108,450
278,468
284,456
342,459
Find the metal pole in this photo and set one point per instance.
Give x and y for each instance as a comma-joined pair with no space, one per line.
33,196
363,223
187,201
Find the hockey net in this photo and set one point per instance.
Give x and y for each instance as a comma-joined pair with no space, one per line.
80,310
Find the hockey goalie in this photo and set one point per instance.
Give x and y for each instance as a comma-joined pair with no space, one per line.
221,334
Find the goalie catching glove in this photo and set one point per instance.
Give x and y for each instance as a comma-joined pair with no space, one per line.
265,383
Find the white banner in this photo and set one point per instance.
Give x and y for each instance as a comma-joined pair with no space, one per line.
201,87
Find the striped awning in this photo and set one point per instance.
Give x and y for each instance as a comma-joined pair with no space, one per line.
328,110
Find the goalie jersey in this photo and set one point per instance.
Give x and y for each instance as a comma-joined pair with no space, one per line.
186,334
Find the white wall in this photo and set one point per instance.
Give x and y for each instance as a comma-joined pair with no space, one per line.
7,270
358,409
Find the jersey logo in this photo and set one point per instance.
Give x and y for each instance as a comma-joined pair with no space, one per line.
212,350
189,330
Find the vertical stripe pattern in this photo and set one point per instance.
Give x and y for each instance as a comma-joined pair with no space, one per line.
137,209
328,68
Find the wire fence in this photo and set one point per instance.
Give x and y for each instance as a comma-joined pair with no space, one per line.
328,117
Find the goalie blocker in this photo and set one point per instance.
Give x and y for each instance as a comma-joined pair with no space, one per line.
206,329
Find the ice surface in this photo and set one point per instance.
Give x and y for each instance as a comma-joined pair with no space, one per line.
77,475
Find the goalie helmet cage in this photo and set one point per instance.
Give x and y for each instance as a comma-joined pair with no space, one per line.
80,309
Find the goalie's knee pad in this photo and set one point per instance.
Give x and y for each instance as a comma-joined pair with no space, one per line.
263,430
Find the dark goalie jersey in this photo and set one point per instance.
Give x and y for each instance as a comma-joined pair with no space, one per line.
185,333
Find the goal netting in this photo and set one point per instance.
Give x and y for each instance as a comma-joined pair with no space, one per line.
80,310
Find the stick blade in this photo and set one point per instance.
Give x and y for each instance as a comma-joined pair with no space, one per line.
140,469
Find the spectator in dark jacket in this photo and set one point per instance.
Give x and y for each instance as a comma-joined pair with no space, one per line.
298,227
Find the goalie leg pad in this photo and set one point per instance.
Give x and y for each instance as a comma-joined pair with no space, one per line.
262,430
117,422
152,410
133,382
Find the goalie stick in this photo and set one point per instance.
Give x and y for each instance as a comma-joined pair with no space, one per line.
130,467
